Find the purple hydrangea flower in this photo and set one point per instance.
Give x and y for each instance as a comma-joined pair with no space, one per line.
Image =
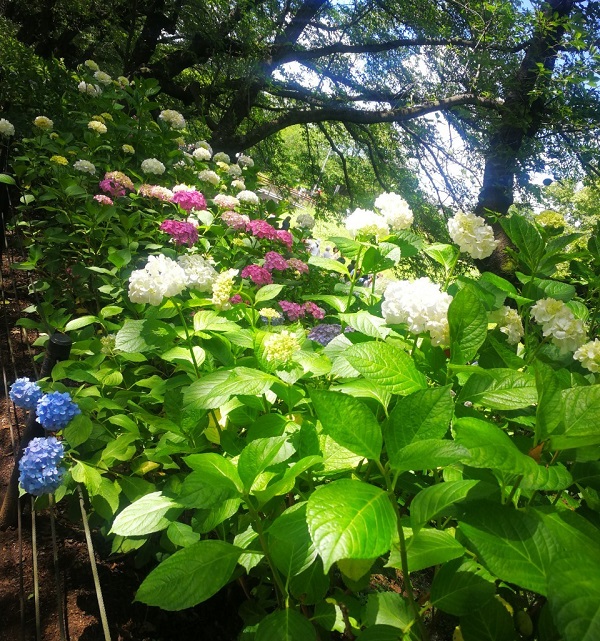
39,466
189,199
25,393
181,232
284,237
55,410
294,311
257,274
314,310
261,229
275,261
324,334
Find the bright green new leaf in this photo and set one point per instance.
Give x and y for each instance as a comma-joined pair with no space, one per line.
285,625
329,264
366,324
350,520
445,255
349,422
207,486
427,548
260,454
268,292
526,238
428,455
387,366
581,418
143,335
290,545
78,323
286,483
468,323
190,576
388,608
146,515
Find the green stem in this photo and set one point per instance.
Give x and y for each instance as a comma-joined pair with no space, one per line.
449,273
515,487
357,267
187,336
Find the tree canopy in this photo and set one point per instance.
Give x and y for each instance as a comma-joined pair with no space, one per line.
478,87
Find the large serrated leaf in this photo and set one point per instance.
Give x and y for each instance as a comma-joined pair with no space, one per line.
144,516
468,323
285,625
581,417
350,520
386,365
501,389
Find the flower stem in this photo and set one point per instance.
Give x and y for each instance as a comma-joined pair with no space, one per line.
187,336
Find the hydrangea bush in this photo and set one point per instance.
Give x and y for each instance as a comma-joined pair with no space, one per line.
252,409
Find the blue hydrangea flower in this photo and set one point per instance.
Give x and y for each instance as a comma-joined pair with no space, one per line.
55,410
324,333
39,466
25,393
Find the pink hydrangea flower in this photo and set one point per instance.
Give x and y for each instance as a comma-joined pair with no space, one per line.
234,220
103,200
237,298
297,264
189,199
156,191
116,183
275,261
284,236
257,274
294,311
314,310
181,233
261,229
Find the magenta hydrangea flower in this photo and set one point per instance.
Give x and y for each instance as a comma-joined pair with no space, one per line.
297,264
261,229
257,274
275,261
234,220
293,311
116,183
237,298
102,199
182,233
189,199
314,310
284,237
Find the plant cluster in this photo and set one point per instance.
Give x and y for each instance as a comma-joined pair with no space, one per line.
311,428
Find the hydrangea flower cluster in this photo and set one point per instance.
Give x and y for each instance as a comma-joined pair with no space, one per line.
421,305
116,183
40,471
235,171
209,176
284,237
221,289
366,222
275,262
103,200
297,264
261,229
245,161
200,274
182,233
280,347
25,393
305,221
509,323
236,221
270,316
589,355
472,235
257,274
240,185
85,166
558,321
55,410
160,277
153,166
156,191
98,127
103,78
395,211
188,198
59,160
225,201
201,154
89,89
294,311
173,118
6,128
221,156
248,196
324,333
42,122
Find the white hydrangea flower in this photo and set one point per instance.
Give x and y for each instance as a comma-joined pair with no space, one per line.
123,81
395,210
91,65
245,161
509,323
153,166
98,127
173,118
235,171
589,355
103,78
202,144
6,128
89,88
280,347
240,185
209,176
421,305
222,287
161,277
201,154
472,235
558,322
365,221
200,274
221,156
42,122
85,165
247,196
225,201
305,221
